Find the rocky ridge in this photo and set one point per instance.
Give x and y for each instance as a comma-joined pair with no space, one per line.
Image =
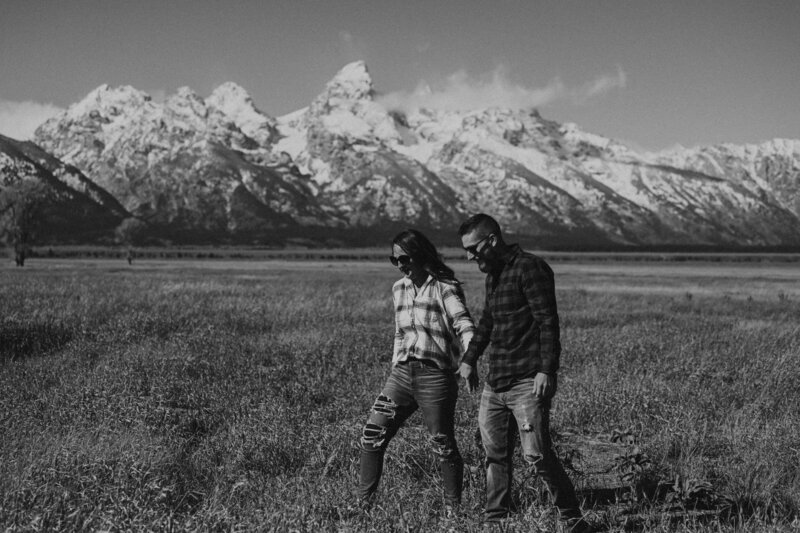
219,169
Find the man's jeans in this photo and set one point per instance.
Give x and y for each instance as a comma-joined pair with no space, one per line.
410,386
498,431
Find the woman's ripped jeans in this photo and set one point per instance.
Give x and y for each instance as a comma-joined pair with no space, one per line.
410,386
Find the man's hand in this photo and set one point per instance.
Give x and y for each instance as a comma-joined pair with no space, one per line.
544,385
470,375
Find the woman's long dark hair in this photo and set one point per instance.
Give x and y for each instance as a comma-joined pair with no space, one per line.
422,251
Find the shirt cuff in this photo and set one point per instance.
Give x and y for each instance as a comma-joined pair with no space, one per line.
470,358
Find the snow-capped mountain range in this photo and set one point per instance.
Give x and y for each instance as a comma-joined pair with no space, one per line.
347,169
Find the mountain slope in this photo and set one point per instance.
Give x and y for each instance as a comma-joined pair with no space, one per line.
74,208
184,166
220,169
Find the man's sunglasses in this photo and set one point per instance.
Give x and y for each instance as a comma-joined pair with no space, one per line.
474,248
401,260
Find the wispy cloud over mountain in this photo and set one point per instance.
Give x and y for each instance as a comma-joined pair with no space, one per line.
20,119
460,91
601,85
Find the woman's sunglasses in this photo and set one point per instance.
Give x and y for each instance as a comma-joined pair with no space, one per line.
399,260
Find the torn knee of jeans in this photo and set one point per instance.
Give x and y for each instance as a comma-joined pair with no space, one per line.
534,459
444,446
385,406
526,427
373,436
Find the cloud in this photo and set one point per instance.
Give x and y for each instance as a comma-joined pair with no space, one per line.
459,91
602,85
19,120
346,37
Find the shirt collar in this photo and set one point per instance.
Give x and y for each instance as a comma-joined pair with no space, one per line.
511,254
410,284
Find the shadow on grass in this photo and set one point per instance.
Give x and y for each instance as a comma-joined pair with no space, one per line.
32,340
649,506
670,521
602,495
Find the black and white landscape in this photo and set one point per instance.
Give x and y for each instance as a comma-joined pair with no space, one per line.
350,169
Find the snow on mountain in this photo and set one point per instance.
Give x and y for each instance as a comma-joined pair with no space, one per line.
108,101
349,149
235,103
291,133
346,107
221,166
351,84
184,165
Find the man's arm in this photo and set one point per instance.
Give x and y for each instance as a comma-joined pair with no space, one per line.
538,285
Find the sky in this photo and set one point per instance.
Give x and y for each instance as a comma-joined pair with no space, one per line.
650,73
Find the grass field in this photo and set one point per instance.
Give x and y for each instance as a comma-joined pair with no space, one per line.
229,395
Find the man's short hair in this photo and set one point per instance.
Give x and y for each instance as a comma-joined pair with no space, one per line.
482,222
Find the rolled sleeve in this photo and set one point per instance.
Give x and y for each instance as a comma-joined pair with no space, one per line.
456,310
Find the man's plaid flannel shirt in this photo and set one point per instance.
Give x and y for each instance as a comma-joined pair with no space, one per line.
518,329
432,323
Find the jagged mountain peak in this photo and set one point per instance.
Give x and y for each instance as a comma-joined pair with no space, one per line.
231,91
777,147
352,82
107,98
105,92
102,107
785,144
772,146
189,106
185,93
237,104
585,143
346,109
233,100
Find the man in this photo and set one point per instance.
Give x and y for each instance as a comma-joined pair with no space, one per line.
519,333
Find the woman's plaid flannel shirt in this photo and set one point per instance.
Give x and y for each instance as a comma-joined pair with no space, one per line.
432,323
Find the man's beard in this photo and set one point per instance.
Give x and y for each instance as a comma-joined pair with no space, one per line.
487,265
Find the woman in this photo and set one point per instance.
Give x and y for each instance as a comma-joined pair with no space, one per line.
432,329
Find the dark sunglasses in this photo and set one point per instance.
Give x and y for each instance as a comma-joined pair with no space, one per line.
402,260
474,248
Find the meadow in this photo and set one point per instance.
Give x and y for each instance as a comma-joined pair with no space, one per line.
225,395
